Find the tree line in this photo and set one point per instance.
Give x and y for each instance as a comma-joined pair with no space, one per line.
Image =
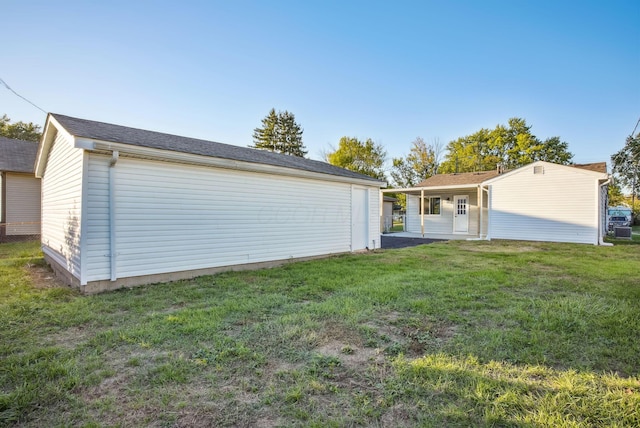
510,146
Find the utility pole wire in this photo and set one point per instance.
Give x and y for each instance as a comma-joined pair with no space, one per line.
9,88
636,127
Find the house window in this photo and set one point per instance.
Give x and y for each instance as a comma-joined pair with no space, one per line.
431,206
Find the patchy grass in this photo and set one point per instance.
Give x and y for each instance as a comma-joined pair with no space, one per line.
449,334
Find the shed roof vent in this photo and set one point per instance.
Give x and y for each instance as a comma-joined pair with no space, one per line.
538,169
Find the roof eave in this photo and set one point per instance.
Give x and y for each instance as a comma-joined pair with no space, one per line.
432,188
195,159
595,174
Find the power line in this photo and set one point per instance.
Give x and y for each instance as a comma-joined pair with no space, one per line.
9,88
636,127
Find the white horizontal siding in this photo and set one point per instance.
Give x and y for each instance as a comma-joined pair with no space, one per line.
374,218
23,204
412,215
559,205
61,203
175,217
97,249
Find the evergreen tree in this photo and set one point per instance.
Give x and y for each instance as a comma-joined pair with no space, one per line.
280,133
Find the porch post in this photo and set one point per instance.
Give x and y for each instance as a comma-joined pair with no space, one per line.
489,208
381,208
479,204
422,211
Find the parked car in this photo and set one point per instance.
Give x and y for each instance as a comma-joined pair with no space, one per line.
618,217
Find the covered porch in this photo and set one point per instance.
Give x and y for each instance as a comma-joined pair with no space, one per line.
445,212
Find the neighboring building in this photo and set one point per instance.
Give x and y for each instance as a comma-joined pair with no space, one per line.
387,212
124,206
20,191
541,201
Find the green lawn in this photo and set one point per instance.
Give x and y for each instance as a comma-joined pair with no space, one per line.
449,334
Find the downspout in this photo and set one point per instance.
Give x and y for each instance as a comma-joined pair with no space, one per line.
489,204
422,212
479,205
381,208
600,231
112,214
3,206
481,190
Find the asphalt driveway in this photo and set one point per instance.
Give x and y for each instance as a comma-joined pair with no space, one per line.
402,242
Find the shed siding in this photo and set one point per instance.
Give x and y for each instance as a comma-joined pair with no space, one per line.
23,204
374,215
97,247
528,206
175,217
61,204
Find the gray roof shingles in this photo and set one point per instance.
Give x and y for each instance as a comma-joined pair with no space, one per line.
17,155
472,178
462,179
157,140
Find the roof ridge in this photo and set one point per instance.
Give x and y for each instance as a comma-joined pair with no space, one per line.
114,133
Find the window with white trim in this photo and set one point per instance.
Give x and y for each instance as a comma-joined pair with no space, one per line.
431,205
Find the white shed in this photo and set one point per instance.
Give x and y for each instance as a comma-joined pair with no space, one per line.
19,191
124,206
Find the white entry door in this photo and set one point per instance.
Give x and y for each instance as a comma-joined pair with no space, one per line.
359,219
461,214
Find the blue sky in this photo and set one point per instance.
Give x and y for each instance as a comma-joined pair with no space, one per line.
390,71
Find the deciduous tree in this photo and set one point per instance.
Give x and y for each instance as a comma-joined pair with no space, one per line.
616,197
420,164
365,157
511,146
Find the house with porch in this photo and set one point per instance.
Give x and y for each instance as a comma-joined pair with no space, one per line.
541,201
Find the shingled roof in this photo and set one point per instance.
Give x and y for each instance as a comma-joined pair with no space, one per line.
17,155
470,178
597,166
138,137
461,179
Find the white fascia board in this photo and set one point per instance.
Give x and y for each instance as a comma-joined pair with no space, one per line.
193,159
416,190
51,128
599,175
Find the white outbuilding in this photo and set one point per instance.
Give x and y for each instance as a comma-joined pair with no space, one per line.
124,206
19,191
